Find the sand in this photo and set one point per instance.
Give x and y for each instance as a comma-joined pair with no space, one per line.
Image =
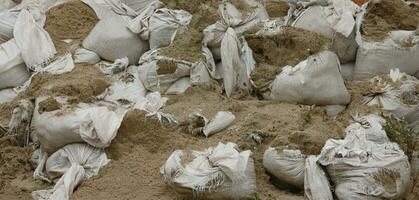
276,8
389,15
288,47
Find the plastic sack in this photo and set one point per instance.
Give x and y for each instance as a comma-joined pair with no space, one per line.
7,95
85,56
6,4
316,184
33,41
69,167
286,166
215,173
317,19
402,101
315,81
111,39
7,23
13,70
366,164
375,58
221,121
95,124
164,24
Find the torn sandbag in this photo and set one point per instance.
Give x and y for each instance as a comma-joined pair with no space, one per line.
159,72
152,104
33,41
215,173
164,24
111,40
82,55
366,164
13,70
396,93
316,184
286,166
315,81
328,21
96,124
397,49
126,88
69,167
7,23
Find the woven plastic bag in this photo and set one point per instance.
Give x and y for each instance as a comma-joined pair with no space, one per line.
13,70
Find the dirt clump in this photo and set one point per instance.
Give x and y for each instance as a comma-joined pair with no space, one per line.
289,47
71,20
386,16
48,105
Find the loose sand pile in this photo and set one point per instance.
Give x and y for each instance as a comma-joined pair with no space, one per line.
288,47
72,20
387,16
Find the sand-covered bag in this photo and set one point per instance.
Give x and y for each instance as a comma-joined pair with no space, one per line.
111,39
13,70
387,39
294,65
219,172
340,28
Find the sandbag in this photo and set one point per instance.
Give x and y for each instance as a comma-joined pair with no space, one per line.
6,4
375,58
164,24
33,41
221,121
398,96
366,165
69,167
13,70
286,166
221,172
315,81
316,184
95,124
85,56
7,23
111,39
315,19
7,95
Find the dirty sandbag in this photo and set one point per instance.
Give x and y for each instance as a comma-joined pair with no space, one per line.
69,167
317,19
221,121
152,104
397,48
165,24
96,124
315,81
366,164
82,55
7,23
316,184
219,172
13,70
33,41
396,93
111,39
286,166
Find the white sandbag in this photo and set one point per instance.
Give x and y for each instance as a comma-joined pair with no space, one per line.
347,70
375,58
316,184
33,41
7,23
111,39
286,166
20,120
95,124
82,55
69,167
99,6
221,121
215,173
7,95
119,65
317,19
141,23
366,165
390,98
165,24
179,87
61,65
13,70
315,81
6,4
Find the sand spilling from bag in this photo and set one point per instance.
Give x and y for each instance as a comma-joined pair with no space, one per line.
72,20
387,16
288,47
